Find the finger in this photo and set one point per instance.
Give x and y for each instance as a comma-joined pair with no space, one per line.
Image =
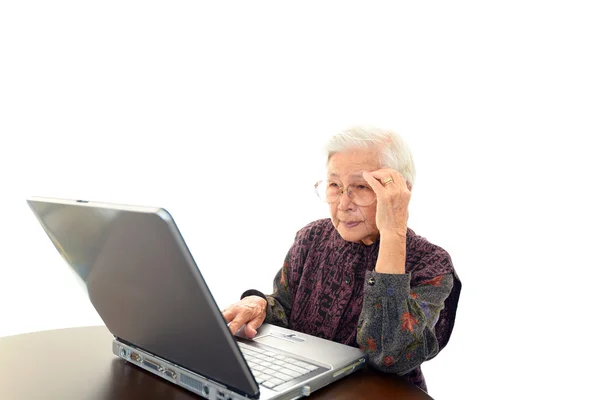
382,173
244,315
375,184
236,324
385,173
229,315
252,326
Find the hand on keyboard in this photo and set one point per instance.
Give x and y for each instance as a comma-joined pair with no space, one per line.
251,311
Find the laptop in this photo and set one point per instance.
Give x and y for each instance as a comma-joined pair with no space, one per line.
144,283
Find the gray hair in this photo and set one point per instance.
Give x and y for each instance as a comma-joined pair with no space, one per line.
393,150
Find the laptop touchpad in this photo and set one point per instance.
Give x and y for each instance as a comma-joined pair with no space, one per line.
274,339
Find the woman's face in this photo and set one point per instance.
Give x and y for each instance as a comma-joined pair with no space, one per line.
353,223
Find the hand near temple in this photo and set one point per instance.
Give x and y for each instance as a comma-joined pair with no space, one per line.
393,196
251,311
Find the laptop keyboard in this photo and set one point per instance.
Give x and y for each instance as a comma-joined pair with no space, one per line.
273,370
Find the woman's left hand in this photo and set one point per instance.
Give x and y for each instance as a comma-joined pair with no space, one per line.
392,200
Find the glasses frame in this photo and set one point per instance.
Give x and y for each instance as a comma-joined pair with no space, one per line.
342,190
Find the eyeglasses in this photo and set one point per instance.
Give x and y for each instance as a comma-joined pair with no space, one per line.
360,194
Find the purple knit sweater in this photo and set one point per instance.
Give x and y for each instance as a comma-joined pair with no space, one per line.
327,287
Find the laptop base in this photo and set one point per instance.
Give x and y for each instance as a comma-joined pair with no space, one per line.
209,389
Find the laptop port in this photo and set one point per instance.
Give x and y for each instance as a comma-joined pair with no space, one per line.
206,390
152,365
170,374
135,357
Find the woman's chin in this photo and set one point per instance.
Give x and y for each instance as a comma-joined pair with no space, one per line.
350,236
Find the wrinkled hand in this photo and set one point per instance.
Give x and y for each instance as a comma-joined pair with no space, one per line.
392,201
251,310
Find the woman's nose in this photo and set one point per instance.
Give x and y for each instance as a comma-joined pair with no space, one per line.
345,202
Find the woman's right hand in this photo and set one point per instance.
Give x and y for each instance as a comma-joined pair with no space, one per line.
251,310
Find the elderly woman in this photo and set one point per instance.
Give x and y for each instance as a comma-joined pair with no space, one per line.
362,277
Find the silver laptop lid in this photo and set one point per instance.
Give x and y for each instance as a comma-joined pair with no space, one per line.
145,285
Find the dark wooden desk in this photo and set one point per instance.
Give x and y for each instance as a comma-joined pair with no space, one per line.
78,364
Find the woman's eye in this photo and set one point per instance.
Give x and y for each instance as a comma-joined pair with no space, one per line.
363,187
333,185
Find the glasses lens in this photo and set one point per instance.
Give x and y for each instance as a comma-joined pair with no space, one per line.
328,191
361,195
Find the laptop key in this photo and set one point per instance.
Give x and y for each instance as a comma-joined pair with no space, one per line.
307,366
283,377
245,347
260,378
277,381
269,384
256,349
299,363
293,374
298,369
279,388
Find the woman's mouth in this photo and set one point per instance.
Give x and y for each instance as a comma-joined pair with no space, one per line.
351,224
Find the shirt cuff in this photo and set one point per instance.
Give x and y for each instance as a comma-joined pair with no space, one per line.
253,292
387,285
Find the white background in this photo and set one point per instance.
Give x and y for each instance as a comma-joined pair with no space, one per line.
219,115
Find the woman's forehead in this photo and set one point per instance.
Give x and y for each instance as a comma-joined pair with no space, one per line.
352,164
354,175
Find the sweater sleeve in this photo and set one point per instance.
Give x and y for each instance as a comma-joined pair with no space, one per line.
279,303
397,323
